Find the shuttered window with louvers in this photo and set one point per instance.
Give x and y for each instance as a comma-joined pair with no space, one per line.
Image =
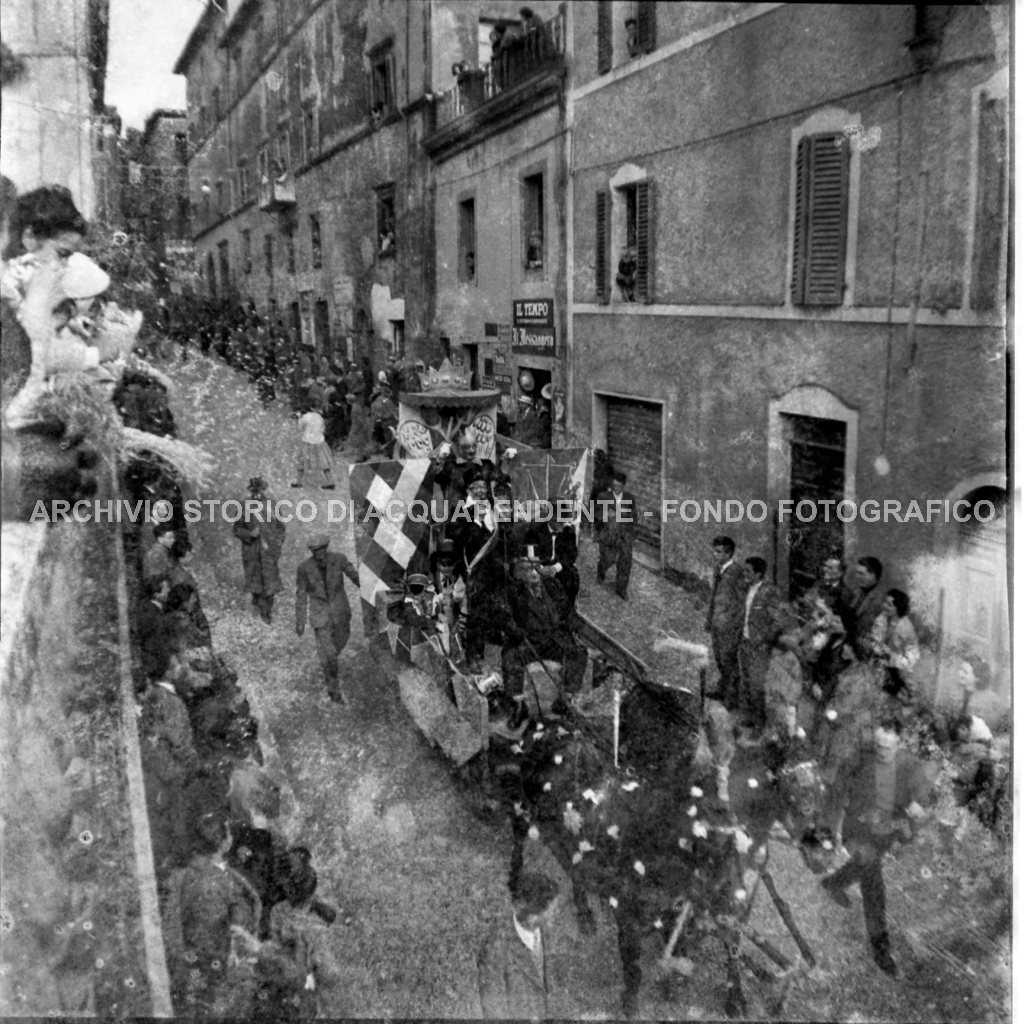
645,241
604,36
601,252
646,26
819,236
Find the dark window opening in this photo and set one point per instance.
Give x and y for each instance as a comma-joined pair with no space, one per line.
386,220
268,254
382,81
247,251
290,249
310,142
467,241
533,221
314,236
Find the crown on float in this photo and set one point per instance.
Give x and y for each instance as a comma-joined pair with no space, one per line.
444,378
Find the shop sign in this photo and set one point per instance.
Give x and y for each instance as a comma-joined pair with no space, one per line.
533,326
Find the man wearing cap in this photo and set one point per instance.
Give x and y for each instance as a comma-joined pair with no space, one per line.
614,526
320,587
513,967
261,549
384,414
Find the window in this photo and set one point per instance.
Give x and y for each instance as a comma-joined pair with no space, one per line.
603,207
243,183
533,221
290,248
640,31
225,266
310,143
216,103
284,154
625,234
990,204
220,196
262,166
211,276
268,254
467,241
382,81
181,148
314,237
819,231
604,36
246,252
398,338
386,220
258,36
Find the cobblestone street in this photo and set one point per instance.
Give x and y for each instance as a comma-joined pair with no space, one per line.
418,879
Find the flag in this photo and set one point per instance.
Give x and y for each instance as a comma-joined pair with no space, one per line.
550,474
387,545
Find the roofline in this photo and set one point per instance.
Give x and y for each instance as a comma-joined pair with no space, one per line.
165,112
195,38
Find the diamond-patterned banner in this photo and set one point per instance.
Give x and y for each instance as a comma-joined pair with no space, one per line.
388,546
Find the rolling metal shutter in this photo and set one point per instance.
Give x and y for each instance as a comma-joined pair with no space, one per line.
635,447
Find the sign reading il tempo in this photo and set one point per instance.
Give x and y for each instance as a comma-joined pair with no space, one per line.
533,326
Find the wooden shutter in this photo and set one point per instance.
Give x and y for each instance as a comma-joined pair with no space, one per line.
989,217
646,34
601,253
819,239
803,175
645,241
604,36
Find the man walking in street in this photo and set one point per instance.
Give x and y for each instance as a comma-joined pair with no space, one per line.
886,791
320,588
513,967
614,525
762,626
261,549
725,620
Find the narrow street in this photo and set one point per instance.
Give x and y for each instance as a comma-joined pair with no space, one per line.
418,880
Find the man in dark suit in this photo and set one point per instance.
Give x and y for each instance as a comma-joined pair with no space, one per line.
542,622
725,620
866,601
154,628
886,793
552,545
762,626
320,587
614,526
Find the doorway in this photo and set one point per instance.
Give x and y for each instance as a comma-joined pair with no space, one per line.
817,451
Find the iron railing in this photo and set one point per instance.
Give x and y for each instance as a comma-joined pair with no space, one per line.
520,58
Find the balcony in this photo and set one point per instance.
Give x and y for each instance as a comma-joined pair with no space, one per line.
275,194
524,76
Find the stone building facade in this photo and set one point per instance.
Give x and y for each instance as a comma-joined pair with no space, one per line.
789,237
309,195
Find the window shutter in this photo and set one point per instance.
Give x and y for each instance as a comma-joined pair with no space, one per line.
645,241
646,33
803,175
826,223
819,265
604,36
989,217
601,254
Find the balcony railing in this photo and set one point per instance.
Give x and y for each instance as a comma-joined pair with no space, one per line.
520,58
276,193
